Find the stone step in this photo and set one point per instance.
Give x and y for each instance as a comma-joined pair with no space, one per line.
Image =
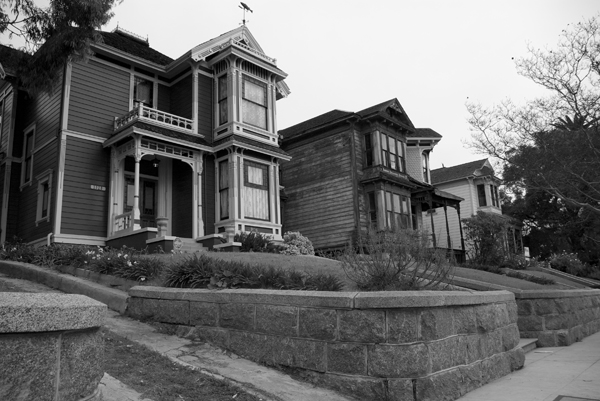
527,344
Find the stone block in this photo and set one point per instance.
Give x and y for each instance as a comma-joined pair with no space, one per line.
362,326
400,390
277,319
576,333
516,358
237,316
513,315
402,326
446,353
403,361
471,346
81,367
465,321
436,323
253,346
542,307
470,377
494,367
211,335
204,314
558,322
524,307
510,337
546,339
28,366
317,323
562,305
316,299
440,386
27,312
490,343
490,317
167,311
347,358
530,323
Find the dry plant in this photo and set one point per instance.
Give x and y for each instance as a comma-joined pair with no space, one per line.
396,260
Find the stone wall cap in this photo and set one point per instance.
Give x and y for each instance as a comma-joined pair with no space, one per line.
556,293
43,312
427,299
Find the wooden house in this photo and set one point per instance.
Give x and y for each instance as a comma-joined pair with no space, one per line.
135,148
352,170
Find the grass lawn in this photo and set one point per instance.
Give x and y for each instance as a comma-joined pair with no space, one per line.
505,281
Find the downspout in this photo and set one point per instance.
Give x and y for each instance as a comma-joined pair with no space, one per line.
49,238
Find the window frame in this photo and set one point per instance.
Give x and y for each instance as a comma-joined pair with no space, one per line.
223,187
264,186
396,216
44,192
425,166
154,90
265,106
398,153
27,157
2,112
222,103
481,195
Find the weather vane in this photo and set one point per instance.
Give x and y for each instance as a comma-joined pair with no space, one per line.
244,7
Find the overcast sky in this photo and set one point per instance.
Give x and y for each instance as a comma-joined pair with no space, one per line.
433,55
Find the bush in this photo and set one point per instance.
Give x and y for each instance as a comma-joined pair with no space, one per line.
295,243
201,271
253,242
485,233
515,262
567,262
62,255
18,251
396,260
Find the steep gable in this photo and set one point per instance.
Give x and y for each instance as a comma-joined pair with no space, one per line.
124,42
315,123
475,168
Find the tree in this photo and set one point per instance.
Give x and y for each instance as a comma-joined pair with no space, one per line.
55,35
551,144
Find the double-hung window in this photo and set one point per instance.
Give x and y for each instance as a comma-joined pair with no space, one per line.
396,211
368,150
223,109
254,97
143,92
28,147
256,185
392,153
224,189
44,192
481,195
495,196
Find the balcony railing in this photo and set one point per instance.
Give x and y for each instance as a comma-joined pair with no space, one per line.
155,117
123,222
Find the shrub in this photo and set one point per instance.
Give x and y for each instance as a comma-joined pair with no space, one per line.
566,262
201,271
515,262
253,241
396,260
295,243
17,251
529,277
62,255
485,233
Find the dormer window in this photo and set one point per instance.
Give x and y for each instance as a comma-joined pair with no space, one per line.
143,92
254,95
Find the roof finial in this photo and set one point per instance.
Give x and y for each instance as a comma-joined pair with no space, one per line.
244,7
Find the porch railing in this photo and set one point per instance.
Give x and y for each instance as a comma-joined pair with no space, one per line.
123,222
155,117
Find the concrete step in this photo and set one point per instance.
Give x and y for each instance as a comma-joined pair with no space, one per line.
528,344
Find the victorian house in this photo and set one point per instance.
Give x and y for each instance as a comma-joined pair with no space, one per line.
354,170
135,148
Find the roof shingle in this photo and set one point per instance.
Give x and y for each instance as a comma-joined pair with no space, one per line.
446,174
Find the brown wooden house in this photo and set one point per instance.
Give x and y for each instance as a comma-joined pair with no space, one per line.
350,170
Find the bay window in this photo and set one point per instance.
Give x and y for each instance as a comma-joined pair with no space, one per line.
256,187
392,153
223,109
224,189
254,97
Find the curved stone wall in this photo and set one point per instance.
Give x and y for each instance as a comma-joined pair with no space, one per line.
51,347
558,317
425,345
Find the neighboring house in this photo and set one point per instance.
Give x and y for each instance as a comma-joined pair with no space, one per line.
135,148
352,170
478,185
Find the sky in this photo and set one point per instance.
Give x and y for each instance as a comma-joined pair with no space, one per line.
432,55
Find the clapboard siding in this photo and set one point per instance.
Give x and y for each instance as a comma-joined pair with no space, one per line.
99,93
86,164
205,107
208,199
44,111
182,200
12,223
182,98
318,183
164,98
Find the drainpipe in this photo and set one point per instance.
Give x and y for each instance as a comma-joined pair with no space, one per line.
49,238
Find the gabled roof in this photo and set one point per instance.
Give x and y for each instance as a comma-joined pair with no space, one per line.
9,59
424,133
391,110
472,169
126,43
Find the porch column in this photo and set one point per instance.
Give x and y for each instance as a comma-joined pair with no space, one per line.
136,185
447,225
462,238
197,221
194,98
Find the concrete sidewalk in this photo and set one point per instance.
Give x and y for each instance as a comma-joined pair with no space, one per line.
560,373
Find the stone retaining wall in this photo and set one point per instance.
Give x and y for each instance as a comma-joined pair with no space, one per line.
558,317
51,347
378,346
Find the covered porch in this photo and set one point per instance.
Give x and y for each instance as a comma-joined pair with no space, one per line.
431,199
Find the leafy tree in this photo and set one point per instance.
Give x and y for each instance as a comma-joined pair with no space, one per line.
486,235
551,144
54,35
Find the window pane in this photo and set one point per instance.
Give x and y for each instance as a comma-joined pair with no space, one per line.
255,114
481,195
224,198
143,91
404,205
256,93
222,87
383,142
397,203
45,197
392,143
388,201
223,111
223,175
255,175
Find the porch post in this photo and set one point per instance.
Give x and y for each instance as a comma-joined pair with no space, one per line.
197,223
194,98
462,239
447,225
136,185
432,225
